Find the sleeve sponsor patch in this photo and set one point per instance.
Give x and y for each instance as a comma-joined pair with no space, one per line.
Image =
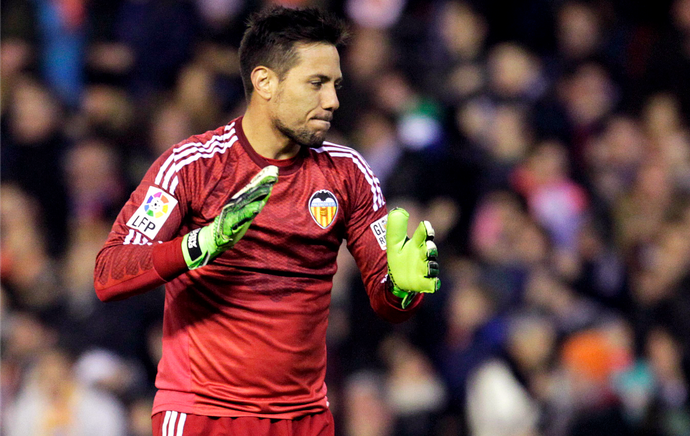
153,212
379,229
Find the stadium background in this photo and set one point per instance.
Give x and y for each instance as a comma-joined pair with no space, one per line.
547,141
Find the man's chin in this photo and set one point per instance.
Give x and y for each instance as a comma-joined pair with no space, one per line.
317,141
304,137
313,139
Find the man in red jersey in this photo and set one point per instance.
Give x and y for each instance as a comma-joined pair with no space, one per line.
243,225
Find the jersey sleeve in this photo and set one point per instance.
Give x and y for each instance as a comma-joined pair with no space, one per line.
143,249
366,241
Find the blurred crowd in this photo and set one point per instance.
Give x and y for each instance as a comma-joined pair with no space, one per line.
548,141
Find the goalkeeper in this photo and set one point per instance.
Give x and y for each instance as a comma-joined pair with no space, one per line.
243,225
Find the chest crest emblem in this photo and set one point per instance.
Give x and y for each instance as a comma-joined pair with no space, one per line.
323,207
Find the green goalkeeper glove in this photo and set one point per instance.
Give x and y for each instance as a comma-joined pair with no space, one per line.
200,246
412,266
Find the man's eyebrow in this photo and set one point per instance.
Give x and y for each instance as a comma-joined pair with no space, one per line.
325,78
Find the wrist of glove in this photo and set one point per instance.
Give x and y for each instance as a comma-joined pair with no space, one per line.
200,246
412,262
406,297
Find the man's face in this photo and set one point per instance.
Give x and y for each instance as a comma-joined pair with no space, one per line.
306,97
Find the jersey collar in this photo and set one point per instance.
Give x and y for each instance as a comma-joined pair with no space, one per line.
285,166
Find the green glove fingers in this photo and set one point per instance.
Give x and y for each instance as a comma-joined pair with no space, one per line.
396,228
412,265
234,220
200,246
432,255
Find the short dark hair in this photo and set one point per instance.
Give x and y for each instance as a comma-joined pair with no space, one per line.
271,36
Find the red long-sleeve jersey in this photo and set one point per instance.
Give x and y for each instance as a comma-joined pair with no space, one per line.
246,334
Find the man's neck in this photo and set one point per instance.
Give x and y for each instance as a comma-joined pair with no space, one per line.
264,138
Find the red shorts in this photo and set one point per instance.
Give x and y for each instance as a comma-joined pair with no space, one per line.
184,424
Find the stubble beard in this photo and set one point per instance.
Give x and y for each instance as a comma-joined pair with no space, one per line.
302,137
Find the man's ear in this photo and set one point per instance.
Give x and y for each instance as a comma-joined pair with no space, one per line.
265,81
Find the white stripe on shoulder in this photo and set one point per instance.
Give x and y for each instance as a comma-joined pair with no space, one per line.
335,150
215,148
335,147
163,167
192,151
173,186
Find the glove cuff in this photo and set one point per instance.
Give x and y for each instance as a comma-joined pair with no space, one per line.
407,297
397,292
195,252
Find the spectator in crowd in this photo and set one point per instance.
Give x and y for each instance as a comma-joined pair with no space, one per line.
53,401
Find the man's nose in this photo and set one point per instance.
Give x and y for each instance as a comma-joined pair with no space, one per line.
329,99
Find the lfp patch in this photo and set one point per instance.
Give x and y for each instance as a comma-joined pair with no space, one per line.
153,212
157,205
323,207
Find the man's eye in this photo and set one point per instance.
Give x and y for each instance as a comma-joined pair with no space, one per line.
316,84
338,85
